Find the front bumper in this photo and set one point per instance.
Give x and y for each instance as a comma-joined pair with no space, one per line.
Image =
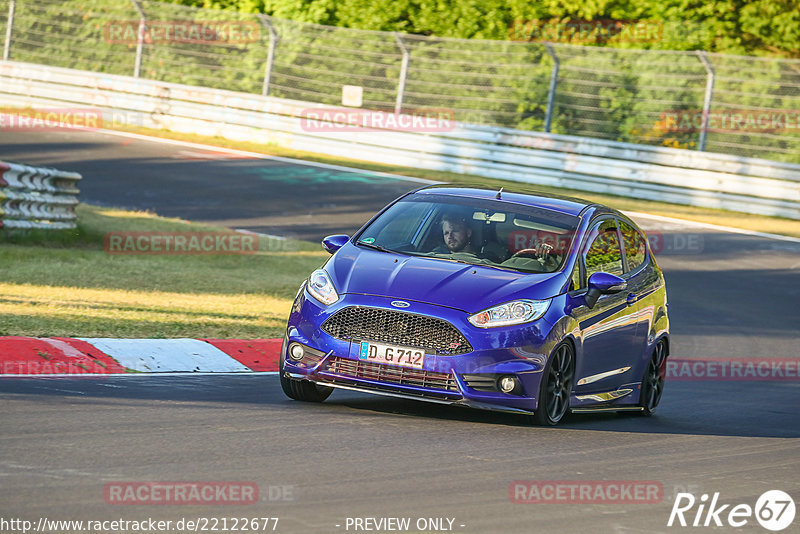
457,395
460,379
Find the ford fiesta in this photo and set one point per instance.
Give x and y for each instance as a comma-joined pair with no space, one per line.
510,301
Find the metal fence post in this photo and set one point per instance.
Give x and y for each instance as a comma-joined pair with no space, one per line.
273,41
9,25
703,56
551,93
401,85
137,66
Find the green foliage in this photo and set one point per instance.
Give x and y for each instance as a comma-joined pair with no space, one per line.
775,24
603,90
70,33
245,6
471,58
731,26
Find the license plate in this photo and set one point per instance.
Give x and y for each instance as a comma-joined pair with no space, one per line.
391,354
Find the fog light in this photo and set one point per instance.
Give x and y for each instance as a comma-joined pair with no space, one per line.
508,384
296,351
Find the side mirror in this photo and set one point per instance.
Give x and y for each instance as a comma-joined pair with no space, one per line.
332,243
603,284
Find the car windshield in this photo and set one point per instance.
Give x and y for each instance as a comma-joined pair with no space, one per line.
475,231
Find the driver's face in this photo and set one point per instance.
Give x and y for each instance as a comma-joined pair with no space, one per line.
456,236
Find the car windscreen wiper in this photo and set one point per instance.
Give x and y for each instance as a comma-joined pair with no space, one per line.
373,246
456,260
489,265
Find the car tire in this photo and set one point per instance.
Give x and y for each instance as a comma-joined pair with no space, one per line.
653,381
555,388
302,390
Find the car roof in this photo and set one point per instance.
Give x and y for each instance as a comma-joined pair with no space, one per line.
519,194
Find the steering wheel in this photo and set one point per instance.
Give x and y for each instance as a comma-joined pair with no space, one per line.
527,253
541,253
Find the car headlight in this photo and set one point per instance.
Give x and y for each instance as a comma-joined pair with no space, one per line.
321,287
510,313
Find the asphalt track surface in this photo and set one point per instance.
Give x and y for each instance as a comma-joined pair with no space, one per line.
63,439
262,195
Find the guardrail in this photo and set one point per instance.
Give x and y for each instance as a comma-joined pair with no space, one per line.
513,79
37,197
680,176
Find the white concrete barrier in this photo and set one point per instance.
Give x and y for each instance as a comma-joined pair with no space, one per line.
680,176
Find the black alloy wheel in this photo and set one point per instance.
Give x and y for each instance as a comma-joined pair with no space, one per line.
653,381
556,386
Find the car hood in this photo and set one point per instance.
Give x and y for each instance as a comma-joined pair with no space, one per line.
469,288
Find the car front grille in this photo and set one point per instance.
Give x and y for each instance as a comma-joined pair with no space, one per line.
404,376
397,328
481,382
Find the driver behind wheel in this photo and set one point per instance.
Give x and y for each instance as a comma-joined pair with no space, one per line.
456,234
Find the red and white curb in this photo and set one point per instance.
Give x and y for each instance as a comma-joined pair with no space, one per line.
27,356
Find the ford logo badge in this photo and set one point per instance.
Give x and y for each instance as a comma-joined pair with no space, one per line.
400,304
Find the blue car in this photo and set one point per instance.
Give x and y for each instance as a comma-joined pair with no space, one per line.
512,301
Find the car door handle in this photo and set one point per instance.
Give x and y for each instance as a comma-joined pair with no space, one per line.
632,298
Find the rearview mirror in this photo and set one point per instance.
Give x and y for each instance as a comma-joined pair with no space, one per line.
498,217
603,284
332,243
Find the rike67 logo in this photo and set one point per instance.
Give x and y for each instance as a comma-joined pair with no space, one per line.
774,510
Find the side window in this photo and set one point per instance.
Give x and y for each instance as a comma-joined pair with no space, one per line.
575,281
635,246
604,253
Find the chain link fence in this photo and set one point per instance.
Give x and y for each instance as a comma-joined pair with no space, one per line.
747,106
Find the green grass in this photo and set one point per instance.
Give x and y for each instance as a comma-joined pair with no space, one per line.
65,284
758,223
